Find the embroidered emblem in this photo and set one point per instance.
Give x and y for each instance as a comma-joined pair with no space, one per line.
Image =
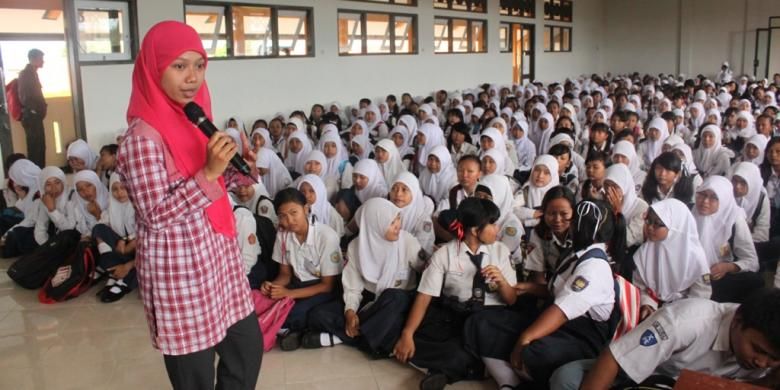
335,256
706,279
725,250
648,339
579,284
427,227
398,283
510,231
263,209
252,239
660,329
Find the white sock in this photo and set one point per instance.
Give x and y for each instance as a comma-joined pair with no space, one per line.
501,371
110,282
103,248
325,340
282,331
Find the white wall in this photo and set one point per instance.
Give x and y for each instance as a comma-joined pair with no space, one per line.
252,88
683,36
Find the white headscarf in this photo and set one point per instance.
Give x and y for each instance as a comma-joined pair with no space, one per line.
316,155
296,161
751,174
332,168
706,158
502,194
278,177
25,173
377,116
121,215
57,173
437,185
410,123
760,142
621,175
536,194
235,135
698,120
499,158
671,266
544,134
263,133
655,148
416,209
405,148
433,137
690,166
321,207
80,149
377,187
393,166
379,259
750,129
365,146
625,148
101,194
715,229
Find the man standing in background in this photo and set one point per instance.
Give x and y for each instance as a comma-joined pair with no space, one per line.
33,108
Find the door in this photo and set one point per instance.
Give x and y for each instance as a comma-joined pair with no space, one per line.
522,53
761,58
25,25
6,144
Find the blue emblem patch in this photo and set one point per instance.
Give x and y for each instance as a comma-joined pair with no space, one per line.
648,339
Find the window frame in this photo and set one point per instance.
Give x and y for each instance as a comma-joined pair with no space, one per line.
485,5
414,43
563,4
130,36
275,8
469,39
414,3
509,10
551,28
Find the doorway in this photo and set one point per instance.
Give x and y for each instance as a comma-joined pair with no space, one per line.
767,61
522,53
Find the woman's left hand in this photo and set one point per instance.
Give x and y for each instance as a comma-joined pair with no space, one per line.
718,271
247,153
493,274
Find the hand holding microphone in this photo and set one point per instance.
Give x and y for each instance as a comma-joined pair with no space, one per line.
221,149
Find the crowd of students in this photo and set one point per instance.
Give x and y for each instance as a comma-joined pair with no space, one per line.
480,231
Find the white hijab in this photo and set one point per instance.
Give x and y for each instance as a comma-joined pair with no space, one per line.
121,215
278,177
365,145
544,134
263,133
332,168
760,142
321,207
751,174
316,155
405,148
377,187
25,173
101,194
706,158
698,120
690,166
671,266
57,173
499,158
626,149
621,175
379,259
416,209
296,161
437,185
393,166
502,194
433,137
715,229
654,148
536,194
80,149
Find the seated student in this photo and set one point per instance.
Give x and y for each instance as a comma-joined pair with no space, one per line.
753,151
106,164
54,215
600,140
249,245
368,180
19,233
379,282
428,137
273,173
360,149
683,151
80,156
312,187
544,127
254,197
416,210
493,162
595,169
727,242
338,173
667,179
298,148
526,151
652,146
750,194
577,325
459,142
511,231
400,136
566,137
439,175
624,152
567,171
723,339
618,186
469,171
491,138
711,157
389,160
671,264
310,261
529,198
90,202
769,251
115,238
464,276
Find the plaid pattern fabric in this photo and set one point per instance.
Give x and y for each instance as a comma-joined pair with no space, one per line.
629,306
191,278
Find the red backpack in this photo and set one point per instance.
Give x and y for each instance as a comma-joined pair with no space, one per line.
12,100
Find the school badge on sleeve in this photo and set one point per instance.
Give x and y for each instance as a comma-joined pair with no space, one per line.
648,339
427,227
579,284
335,257
510,231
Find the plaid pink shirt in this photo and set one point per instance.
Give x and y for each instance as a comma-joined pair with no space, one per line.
192,282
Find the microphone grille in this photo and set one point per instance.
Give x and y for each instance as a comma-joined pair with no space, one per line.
193,112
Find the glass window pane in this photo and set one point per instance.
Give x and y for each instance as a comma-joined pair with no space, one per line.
101,31
503,37
377,33
209,22
478,5
34,21
252,31
350,34
556,39
566,46
547,45
441,33
293,32
404,34
460,31
477,36
441,4
459,5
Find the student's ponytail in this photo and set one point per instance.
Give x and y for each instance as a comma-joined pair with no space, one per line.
473,213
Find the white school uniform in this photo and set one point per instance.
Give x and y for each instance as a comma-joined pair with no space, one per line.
451,272
692,334
82,219
318,256
587,288
542,255
246,232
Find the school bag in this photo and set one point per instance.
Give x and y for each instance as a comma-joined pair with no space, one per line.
266,268
34,269
73,277
12,100
271,315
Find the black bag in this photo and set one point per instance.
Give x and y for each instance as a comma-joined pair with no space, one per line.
266,268
73,277
32,270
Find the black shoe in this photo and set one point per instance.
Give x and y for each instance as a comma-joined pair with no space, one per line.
114,293
312,340
433,381
290,341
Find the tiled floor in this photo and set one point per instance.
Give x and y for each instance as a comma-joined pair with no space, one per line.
85,344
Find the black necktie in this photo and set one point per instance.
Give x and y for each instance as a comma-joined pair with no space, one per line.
478,285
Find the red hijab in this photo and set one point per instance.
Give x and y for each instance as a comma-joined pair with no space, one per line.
165,42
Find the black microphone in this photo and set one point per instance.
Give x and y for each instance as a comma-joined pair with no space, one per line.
196,115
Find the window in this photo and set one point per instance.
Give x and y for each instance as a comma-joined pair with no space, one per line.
452,35
376,33
557,38
462,5
522,8
399,2
504,37
507,40
252,30
103,32
560,10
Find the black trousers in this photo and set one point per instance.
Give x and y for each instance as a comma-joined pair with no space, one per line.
381,323
19,241
112,259
736,287
36,138
240,355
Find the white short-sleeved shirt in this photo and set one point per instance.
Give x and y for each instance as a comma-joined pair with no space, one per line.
690,333
246,231
511,235
542,255
450,272
316,257
588,288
